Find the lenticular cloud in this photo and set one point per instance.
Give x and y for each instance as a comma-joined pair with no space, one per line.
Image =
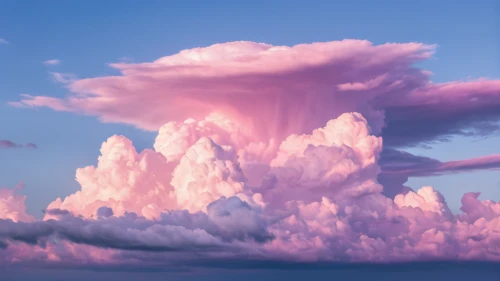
263,154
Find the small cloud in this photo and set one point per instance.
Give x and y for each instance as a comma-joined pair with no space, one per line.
3,41
31,145
11,144
52,62
64,78
125,59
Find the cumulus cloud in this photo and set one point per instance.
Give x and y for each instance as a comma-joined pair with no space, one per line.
123,180
11,144
319,200
256,83
12,205
267,154
52,62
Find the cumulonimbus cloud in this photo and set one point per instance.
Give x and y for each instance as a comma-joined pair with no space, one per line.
267,153
317,199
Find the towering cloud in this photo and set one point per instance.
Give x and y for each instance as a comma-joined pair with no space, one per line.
267,154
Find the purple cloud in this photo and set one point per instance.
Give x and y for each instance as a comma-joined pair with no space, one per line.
11,144
397,166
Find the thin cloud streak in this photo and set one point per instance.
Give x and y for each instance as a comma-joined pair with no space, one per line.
52,62
10,144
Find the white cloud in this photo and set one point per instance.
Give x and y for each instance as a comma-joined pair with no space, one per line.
52,62
63,77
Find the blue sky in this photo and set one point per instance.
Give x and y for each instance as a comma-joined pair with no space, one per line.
86,35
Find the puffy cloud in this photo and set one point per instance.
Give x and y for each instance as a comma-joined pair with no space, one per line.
175,138
123,180
12,206
318,201
267,154
274,91
337,160
11,144
206,172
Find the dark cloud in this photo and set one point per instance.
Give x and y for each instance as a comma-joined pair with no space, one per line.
176,231
397,166
11,144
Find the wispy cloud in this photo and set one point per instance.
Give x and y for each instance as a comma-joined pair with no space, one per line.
52,62
3,41
64,78
125,59
11,144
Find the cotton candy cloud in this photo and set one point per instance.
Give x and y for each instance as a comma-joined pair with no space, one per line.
267,154
290,89
319,200
119,182
12,205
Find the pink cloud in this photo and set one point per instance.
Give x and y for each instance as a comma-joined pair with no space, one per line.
273,90
190,201
12,206
267,153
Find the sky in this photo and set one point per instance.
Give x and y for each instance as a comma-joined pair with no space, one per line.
66,56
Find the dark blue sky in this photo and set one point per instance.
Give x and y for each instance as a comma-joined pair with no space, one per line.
405,272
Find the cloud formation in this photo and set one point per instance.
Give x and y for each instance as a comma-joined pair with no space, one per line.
267,154
316,200
401,162
12,206
52,62
257,83
11,144
397,166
